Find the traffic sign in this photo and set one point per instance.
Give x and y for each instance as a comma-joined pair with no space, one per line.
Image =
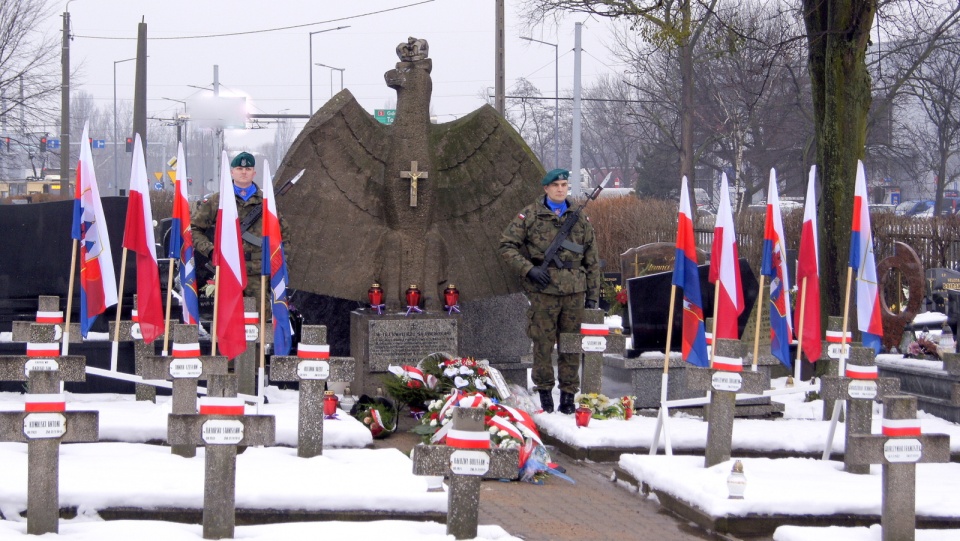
98,143
53,143
385,116
158,186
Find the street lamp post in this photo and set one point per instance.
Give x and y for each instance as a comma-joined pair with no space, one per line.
311,60
556,101
341,70
116,134
181,130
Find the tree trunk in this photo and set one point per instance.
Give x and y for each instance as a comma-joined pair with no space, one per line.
837,34
686,104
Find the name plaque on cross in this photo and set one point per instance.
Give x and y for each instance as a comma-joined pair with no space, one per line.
40,365
594,343
909,450
834,351
864,389
44,425
186,368
726,381
313,370
413,175
222,432
469,462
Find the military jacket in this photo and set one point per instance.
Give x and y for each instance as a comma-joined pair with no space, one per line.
528,236
203,221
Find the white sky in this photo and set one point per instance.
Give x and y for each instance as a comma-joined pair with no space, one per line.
94,476
272,68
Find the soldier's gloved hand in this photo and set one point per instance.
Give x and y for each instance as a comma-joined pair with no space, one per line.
590,304
539,276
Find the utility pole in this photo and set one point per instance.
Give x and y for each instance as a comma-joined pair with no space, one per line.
65,106
219,149
500,91
140,91
575,158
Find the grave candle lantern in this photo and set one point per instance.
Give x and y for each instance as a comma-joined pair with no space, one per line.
582,416
375,296
413,299
451,299
736,482
329,404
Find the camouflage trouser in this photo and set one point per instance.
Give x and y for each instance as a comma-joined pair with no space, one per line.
550,315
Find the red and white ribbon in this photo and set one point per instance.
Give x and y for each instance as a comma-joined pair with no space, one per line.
49,317
313,351
524,422
134,316
594,329
730,364
212,405
835,337
471,401
503,424
186,351
43,349
709,336
251,318
861,372
901,427
468,439
44,403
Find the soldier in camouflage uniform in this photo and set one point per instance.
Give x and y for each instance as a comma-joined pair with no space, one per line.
557,295
248,196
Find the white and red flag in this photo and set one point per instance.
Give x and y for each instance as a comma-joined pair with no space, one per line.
228,256
725,269
138,237
808,277
864,266
98,283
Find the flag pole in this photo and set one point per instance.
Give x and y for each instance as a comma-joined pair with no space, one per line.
664,412
716,308
116,328
166,320
756,330
216,304
263,339
803,308
66,327
838,405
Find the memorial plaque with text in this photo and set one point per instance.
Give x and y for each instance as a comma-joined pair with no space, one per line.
407,341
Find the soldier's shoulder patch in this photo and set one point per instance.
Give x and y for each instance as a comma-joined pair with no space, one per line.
521,216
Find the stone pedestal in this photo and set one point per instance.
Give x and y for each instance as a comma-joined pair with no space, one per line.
495,329
378,341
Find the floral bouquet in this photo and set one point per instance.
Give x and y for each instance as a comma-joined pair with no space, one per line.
616,298
376,414
606,408
437,375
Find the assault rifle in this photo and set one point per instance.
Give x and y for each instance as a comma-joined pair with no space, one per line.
561,240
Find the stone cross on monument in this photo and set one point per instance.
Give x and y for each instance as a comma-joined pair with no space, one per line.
220,426
312,367
593,342
860,387
414,176
466,459
43,425
830,351
899,448
245,364
724,381
43,354
130,331
48,311
185,367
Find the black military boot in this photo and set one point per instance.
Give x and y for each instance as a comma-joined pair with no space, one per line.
566,403
546,400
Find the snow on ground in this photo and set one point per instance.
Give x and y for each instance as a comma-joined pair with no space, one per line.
836,533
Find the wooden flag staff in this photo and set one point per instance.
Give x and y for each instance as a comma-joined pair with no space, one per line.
65,350
114,348
263,339
166,319
803,309
664,412
841,369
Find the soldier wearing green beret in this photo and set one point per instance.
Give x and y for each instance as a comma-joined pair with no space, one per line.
203,220
558,294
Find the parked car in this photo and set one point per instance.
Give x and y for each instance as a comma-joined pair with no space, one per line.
913,208
882,208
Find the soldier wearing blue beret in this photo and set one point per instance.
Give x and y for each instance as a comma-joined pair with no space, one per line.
559,293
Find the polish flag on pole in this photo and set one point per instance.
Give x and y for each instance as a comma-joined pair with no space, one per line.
138,237
181,243
774,265
865,267
98,284
228,257
687,276
808,277
725,269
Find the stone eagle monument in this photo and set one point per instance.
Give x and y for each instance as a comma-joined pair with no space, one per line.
407,203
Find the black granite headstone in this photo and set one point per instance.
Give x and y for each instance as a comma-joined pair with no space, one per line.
650,300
